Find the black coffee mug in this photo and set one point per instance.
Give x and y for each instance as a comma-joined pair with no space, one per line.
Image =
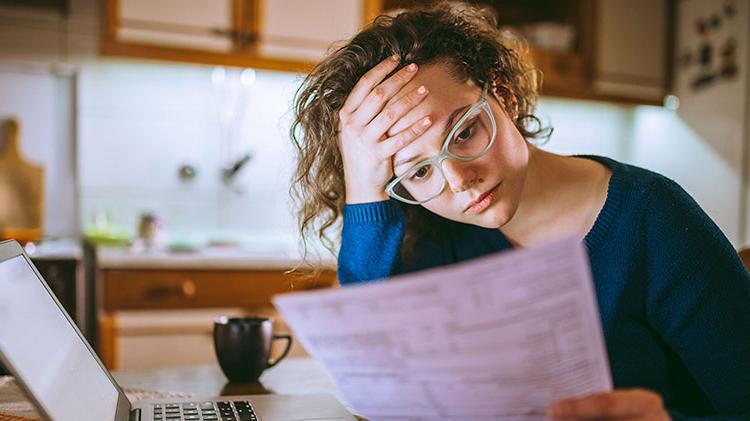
243,346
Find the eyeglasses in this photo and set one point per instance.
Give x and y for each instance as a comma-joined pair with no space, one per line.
470,138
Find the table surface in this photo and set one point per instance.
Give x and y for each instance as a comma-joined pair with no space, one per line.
290,376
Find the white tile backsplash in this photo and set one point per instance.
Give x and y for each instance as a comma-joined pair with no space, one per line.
587,127
138,122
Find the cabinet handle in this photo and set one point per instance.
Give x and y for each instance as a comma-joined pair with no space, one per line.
185,289
188,288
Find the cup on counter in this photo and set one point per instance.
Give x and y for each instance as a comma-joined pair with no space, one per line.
149,229
243,346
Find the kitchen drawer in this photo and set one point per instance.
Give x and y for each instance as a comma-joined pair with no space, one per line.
165,289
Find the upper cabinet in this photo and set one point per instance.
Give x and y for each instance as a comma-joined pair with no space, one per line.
631,51
204,25
304,29
271,34
615,50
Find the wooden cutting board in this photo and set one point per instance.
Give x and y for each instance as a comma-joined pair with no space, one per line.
21,189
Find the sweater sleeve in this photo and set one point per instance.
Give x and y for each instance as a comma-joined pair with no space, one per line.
370,241
698,298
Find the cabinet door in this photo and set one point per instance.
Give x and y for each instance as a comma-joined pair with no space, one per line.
631,49
304,29
195,24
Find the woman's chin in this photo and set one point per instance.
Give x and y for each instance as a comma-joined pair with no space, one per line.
494,217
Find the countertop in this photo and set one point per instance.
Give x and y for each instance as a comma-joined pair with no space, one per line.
206,258
55,249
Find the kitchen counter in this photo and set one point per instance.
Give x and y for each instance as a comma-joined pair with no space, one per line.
55,249
209,279
221,258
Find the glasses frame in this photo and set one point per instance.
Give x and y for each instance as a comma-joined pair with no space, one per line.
444,154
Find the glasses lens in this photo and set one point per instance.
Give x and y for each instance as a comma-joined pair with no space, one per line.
473,136
420,184
470,139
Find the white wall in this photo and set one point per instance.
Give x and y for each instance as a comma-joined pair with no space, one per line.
587,127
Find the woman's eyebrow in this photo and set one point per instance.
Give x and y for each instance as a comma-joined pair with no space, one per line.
446,129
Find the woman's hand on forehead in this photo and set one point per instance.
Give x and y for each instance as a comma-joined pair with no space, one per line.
448,95
368,113
409,119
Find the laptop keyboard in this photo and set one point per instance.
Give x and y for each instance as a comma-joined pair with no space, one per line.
208,411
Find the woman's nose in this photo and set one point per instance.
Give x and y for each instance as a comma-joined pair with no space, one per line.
459,175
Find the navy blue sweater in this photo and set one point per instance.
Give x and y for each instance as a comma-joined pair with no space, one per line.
673,295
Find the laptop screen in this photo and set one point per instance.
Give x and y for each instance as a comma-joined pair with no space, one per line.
46,352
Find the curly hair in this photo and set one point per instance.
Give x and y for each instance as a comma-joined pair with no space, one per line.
465,38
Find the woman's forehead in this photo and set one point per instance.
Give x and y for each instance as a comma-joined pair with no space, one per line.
445,96
443,86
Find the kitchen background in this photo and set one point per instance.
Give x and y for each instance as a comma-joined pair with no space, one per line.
200,153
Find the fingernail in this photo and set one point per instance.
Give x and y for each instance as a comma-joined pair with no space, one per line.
426,121
421,90
412,67
396,58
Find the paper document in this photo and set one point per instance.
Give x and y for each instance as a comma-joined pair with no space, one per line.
499,337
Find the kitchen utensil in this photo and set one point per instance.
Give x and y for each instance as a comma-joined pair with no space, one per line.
21,190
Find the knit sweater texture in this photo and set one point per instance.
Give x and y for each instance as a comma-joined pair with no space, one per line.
673,296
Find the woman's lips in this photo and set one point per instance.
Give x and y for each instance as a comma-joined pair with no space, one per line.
483,201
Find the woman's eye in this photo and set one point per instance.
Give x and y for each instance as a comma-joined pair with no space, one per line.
420,173
464,134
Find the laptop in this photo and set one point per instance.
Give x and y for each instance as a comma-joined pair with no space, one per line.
52,362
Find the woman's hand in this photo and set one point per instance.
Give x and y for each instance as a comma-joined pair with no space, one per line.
365,118
625,404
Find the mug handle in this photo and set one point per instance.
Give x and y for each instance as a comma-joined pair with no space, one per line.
286,350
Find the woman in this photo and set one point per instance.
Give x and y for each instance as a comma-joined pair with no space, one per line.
419,132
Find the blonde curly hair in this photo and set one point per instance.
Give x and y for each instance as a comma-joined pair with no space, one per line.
465,38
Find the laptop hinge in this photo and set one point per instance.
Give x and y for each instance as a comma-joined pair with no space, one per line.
135,414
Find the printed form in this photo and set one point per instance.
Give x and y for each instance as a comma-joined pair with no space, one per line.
499,337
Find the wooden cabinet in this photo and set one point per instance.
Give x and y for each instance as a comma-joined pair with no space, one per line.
630,59
614,50
304,29
168,289
287,35
205,25
153,307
